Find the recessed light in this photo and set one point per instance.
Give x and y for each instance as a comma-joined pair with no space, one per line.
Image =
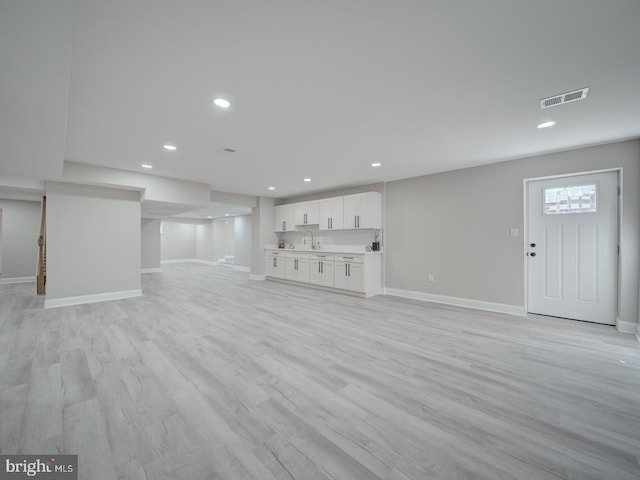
307,179
271,188
226,214
547,124
209,216
377,164
169,147
145,165
222,103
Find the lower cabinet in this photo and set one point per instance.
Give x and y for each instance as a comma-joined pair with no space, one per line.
321,269
349,273
297,268
352,272
274,263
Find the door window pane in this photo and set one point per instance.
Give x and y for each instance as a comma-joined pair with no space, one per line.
573,199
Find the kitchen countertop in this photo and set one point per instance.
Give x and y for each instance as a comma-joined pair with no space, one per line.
354,249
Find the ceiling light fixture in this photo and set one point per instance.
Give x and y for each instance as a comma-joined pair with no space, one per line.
146,165
169,147
376,164
271,188
226,214
547,124
222,103
307,179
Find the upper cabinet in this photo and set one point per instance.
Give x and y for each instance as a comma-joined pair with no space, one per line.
285,218
331,213
363,210
358,211
306,213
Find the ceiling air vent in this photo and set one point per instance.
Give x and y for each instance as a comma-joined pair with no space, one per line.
564,98
226,150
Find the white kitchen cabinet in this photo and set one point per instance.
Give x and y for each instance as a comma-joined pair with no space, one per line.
297,267
285,218
274,263
331,213
349,272
306,213
363,210
321,269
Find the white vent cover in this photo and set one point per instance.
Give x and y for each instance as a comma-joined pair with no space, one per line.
564,98
227,150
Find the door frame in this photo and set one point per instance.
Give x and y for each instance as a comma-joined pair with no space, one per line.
525,229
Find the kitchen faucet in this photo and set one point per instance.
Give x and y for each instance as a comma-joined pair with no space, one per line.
304,239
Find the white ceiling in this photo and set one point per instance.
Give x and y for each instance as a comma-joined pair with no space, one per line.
322,89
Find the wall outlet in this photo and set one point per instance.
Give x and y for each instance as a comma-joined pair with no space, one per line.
514,232
431,278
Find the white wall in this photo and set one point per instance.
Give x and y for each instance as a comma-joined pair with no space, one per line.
150,243
93,242
20,232
242,240
456,225
204,242
262,220
178,239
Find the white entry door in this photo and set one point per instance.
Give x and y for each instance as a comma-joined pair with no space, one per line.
573,247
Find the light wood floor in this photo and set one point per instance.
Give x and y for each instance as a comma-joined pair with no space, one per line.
211,375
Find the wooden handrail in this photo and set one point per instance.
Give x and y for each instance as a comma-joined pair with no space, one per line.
41,274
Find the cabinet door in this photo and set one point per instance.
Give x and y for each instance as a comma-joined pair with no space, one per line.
351,211
370,214
331,213
355,277
274,266
363,210
303,270
341,277
327,269
290,270
306,213
315,273
285,220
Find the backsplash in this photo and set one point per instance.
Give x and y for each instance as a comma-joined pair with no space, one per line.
329,237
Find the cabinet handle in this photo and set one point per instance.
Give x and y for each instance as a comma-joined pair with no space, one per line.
284,225
321,267
319,263
305,218
328,223
331,222
355,221
274,262
358,217
345,270
349,269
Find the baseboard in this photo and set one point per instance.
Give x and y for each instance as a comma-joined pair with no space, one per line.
257,278
12,280
624,326
150,270
241,268
181,260
458,302
98,297
206,262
